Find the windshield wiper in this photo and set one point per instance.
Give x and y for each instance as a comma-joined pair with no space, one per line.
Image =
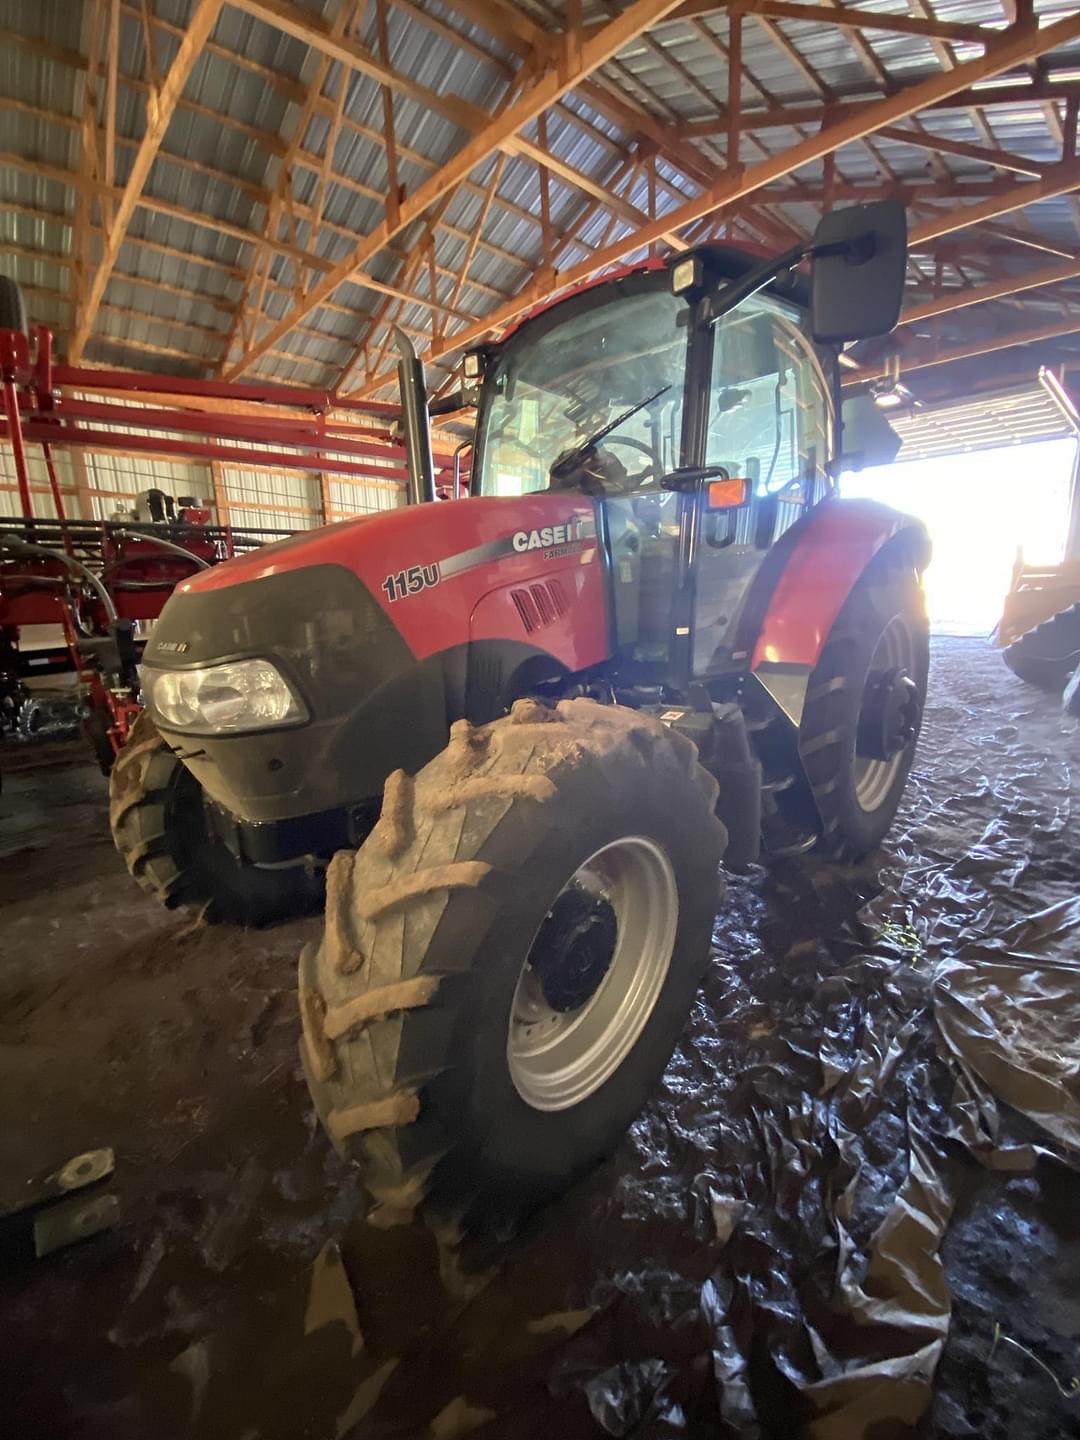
567,462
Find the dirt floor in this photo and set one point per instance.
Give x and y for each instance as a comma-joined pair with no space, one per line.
686,1289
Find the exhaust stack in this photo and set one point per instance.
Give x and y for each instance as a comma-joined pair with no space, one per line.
414,421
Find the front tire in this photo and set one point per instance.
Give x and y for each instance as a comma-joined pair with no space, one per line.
494,898
864,705
160,827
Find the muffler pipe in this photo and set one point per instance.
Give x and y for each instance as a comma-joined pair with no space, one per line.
414,421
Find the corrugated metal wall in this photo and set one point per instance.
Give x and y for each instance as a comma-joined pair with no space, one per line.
94,484
111,481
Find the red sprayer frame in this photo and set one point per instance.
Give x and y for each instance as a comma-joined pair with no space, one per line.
279,426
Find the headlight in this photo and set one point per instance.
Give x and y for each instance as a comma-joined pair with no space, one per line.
241,695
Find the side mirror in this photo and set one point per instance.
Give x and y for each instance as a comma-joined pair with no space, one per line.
857,282
869,439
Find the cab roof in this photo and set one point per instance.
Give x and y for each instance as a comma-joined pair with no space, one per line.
729,262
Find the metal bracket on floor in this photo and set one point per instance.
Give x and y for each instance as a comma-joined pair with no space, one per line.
56,1211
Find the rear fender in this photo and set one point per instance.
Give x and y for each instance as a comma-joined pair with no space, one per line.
805,582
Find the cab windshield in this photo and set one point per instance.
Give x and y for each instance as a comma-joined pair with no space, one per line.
551,392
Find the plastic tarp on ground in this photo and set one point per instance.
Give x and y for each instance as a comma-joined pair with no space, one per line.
852,1214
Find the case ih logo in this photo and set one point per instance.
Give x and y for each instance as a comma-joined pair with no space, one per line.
552,535
554,540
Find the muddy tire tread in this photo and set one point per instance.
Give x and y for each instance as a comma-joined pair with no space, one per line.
825,730
140,790
454,805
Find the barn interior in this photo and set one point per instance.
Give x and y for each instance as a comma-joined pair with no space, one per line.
266,270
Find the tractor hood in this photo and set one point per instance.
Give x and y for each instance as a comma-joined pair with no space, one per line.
426,566
308,547
377,625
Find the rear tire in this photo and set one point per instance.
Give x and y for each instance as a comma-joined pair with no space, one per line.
882,627
159,827
1048,654
413,1036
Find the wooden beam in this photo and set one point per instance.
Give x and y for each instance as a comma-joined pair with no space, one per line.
794,56
1028,240
813,113
548,86
576,179
393,185
1009,50
926,140
203,19
361,345
545,190
1072,110
88,156
969,351
849,18
261,254
306,26
734,115
959,299
1060,179
112,55
457,37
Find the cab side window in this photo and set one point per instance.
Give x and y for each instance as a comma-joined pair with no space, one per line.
768,424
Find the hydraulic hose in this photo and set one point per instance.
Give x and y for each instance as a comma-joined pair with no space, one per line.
27,547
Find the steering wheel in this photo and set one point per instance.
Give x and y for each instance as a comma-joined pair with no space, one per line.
652,471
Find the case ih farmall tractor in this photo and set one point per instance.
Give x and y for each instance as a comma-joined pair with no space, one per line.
529,725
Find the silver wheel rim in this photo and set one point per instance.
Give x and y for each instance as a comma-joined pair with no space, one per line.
874,778
557,1059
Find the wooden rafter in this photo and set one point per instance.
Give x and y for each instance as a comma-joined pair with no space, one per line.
850,18
203,19
508,120
261,258
1008,50
787,115
952,300
1060,179
88,153
924,359
547,50
305,25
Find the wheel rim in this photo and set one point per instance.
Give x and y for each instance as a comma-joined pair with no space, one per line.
875,778
561,1053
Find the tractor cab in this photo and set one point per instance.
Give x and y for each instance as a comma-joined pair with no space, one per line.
696,403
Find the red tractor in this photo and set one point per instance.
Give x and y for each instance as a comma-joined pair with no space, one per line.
524,728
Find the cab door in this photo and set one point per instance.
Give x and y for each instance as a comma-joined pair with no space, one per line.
769,425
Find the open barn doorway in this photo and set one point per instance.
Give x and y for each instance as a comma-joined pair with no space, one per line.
989,486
